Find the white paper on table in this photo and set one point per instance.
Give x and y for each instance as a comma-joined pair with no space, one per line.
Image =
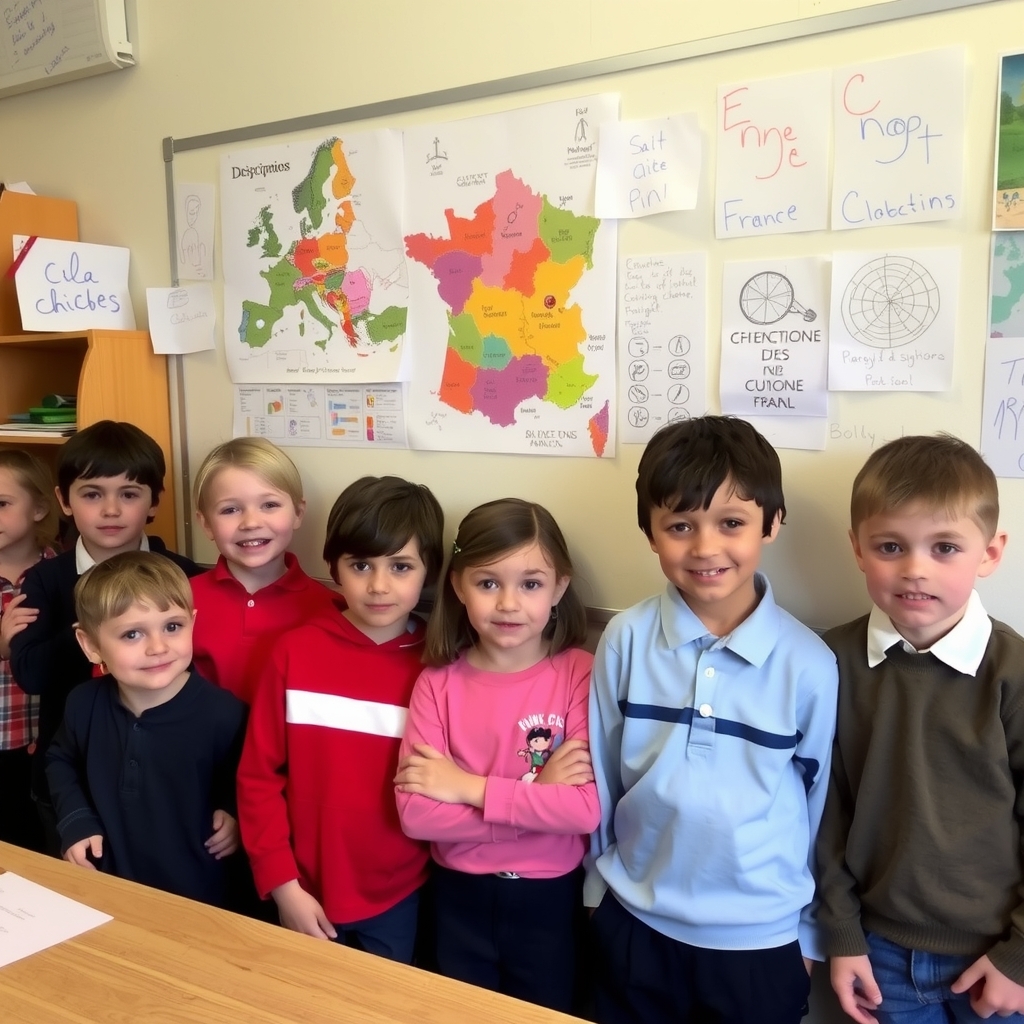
662,341
1002,412
33,918
194,219
893,320
72,286
775,338
181,320
772,166
646,167
899,149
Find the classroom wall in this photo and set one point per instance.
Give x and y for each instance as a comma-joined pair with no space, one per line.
211,65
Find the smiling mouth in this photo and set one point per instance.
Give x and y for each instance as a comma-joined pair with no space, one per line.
257,542
915,597
707,574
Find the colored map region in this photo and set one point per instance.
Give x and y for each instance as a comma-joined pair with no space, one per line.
1007,311
506,276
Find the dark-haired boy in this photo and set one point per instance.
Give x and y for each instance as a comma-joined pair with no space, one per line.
711,720
109,480
922,881
315,797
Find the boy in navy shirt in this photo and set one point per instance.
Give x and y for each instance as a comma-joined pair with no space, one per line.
142,770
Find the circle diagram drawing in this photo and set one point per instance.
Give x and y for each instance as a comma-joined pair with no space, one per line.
769,296
890,301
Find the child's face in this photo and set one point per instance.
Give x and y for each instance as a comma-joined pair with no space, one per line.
509,605
920,568
110,513
710,555
146,650
381,592
250,521
18,517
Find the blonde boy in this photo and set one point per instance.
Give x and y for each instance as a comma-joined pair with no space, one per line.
919,847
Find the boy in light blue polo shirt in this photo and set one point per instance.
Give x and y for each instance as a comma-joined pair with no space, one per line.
712,714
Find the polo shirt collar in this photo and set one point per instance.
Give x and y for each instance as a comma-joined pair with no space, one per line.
84,561
962,648
293,579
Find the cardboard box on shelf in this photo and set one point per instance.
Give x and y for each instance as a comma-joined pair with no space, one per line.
23,214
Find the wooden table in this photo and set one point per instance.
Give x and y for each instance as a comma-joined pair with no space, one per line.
166,960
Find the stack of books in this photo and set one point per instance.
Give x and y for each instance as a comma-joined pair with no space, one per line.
56,416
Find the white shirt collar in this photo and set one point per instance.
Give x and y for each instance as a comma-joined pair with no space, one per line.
962,648
84,561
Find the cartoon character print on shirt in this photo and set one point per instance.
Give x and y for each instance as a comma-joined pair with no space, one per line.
543,734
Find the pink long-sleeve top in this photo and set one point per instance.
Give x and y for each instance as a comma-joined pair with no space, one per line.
503,726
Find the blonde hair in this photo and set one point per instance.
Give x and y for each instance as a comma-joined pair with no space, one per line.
35,479
259,456
110,588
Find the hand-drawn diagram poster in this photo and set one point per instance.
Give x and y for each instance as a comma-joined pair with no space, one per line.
893,320
512,284
315,285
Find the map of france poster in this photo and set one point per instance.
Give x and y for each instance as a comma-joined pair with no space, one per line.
315,281
511,282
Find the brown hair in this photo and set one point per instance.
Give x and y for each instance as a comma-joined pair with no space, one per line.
35,479
111,587
257,455
938,471
487,534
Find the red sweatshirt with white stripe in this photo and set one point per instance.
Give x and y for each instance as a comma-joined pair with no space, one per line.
316,796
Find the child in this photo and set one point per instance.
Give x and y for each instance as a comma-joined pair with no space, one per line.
142,770
109,479
28,528
315,802
921,875
249,502
500,644
711,717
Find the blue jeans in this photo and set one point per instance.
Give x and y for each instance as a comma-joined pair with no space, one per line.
915,986
391,934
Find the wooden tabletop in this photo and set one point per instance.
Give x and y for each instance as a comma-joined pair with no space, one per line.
166,960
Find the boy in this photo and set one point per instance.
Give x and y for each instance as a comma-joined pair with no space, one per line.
711,720
921,875
109,479
142,770
315,796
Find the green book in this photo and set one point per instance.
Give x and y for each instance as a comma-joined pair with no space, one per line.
40,414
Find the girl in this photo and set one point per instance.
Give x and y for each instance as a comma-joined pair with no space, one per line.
249,502
28,529
500,643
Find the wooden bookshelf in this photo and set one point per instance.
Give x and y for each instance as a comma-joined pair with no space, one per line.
115,376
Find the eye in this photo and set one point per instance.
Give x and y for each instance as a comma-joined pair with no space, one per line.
733,524
678,527
487,584
532,584
945,548
130,634
359,566
131,495
889,547
401,567
271,504
227,510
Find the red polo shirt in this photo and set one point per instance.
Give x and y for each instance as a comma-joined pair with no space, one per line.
235,630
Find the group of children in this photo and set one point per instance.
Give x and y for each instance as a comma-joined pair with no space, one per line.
690,784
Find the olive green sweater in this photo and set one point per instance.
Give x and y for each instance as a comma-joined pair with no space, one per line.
921,838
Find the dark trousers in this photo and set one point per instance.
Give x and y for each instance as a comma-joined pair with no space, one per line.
391,934
511,935
19,822
644,977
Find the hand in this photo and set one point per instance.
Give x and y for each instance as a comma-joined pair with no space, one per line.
569,765
428,772
78,854
992,992
854,984
224,840
14,619
300,912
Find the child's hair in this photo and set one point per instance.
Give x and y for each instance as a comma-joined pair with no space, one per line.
107,448
259,456
377,516
111,587
35,479
686,462
939,471
487,534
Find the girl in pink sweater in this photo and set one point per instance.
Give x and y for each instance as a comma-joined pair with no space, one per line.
494,769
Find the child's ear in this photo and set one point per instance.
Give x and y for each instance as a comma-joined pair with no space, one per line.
993,555
39,513
457,586
66,509
204,524
857,552
774,531
300,511
561,587
89,648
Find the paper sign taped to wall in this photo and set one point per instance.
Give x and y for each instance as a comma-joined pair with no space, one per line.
72,286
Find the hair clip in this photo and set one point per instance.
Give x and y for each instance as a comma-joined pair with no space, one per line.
456,550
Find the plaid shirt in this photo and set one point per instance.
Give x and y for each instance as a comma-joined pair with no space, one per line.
19,712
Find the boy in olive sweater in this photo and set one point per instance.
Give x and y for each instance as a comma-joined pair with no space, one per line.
919,850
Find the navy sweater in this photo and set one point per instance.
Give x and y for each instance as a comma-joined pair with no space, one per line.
149,785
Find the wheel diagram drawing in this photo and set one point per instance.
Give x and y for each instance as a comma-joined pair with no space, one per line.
890,302
769,296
